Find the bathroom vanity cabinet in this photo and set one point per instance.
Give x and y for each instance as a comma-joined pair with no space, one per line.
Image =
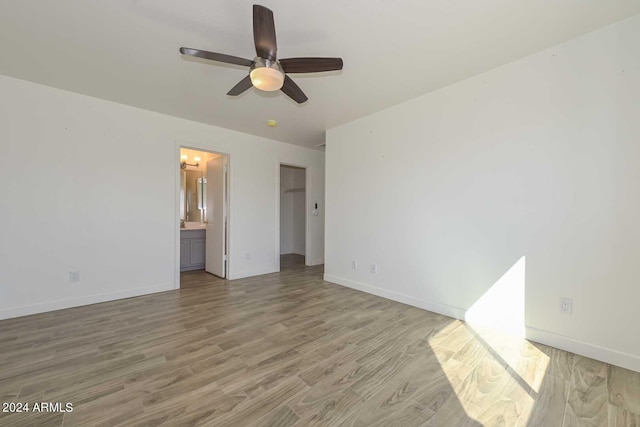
192,249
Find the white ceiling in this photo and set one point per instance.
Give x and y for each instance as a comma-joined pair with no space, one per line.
127,51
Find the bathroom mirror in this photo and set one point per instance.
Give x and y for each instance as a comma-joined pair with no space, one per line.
193,188
202,195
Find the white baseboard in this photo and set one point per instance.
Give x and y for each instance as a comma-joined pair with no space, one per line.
607,355
316,262
245,274
603,354
8,313
447,310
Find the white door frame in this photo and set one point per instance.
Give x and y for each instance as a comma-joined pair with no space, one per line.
307,191
212,150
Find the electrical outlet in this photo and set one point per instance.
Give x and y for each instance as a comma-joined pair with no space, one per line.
354,264
566,305
374,268
74,276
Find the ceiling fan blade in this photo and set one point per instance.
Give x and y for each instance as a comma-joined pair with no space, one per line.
213,56
293,91
264,32
310,65
242,86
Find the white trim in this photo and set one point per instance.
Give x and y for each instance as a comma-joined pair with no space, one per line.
253,273
176,213
604,354
316,262
607,355
447,310
308,189
26,310
278,168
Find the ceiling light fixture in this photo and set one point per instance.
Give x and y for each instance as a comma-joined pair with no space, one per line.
272,123
267,75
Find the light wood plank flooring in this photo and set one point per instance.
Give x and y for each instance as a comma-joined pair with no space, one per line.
289,349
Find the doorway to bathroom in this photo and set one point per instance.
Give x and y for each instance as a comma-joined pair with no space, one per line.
203,210
293,221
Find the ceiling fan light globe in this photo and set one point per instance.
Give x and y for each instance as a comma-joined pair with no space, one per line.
267,79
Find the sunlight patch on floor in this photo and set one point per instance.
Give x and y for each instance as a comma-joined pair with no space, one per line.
496,377
495,373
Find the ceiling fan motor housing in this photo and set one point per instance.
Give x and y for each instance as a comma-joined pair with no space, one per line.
266,75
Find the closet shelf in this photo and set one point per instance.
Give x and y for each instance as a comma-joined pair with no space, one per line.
294,190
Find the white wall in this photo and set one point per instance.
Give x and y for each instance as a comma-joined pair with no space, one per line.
292,211
539,158
102,198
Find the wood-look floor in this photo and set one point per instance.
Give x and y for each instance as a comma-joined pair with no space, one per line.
290,349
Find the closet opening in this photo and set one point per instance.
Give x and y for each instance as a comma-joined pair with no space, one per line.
293,226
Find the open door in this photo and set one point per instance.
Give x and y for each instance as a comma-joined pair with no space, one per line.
216,214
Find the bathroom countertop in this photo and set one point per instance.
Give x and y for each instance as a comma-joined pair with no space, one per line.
193,228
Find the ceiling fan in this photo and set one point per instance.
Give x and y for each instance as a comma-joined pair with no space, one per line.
266,71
